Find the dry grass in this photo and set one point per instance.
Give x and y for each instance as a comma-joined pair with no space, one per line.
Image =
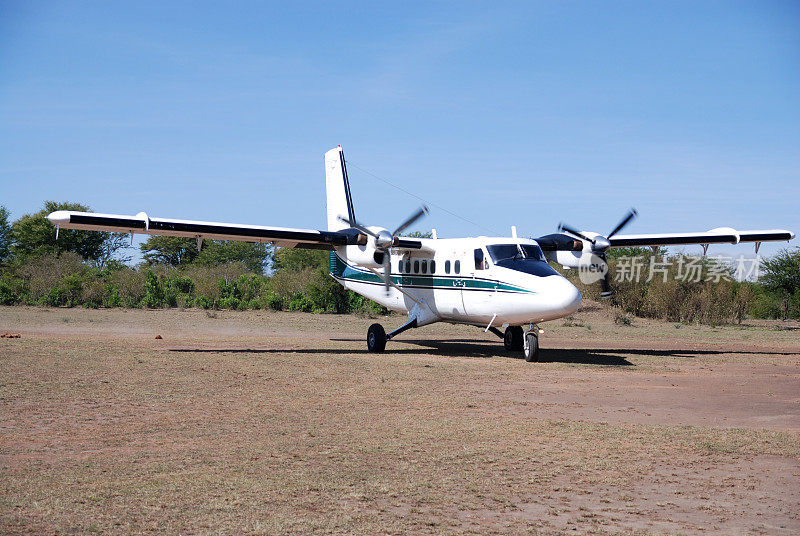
273,423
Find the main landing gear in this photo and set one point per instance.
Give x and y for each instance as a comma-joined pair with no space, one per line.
377,336
512,339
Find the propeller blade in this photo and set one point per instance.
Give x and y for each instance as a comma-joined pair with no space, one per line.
631,214
570,231
387,270
605,283
410,221
358,226
606,287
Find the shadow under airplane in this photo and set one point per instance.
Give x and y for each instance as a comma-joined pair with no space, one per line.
479,349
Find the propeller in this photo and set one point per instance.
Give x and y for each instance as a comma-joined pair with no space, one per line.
564,228
623,222
600,245
423,210
385,240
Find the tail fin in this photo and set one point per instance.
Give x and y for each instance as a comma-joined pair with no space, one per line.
338,189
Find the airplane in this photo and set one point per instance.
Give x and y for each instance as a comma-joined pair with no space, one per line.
490,282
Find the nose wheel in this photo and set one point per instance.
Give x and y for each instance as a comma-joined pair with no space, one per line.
531,346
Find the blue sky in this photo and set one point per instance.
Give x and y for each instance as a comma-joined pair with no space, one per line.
521,114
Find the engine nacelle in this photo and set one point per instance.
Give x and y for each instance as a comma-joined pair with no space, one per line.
582,259
366,255
567,259
591,267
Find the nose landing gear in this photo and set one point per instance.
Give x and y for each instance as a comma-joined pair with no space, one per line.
531,345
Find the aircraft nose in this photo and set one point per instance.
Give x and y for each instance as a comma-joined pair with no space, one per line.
566,297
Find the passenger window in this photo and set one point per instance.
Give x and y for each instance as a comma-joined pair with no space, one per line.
408,266
400,267
447,267
457,267
424,267
416,267
480,262
433,267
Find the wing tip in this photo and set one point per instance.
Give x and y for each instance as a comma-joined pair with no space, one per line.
59,217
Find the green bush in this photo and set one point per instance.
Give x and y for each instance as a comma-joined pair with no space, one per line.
356,303
230,302
302,283
182,284
11,291
203,302
153,291
94,293
270,300
114,299
300,303
680,300
130,286
250,286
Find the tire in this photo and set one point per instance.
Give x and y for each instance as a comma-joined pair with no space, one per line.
513,338
376,338
531,349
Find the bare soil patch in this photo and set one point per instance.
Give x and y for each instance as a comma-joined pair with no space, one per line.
273,423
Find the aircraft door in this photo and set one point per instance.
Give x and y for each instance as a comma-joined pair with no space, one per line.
479,294
449,280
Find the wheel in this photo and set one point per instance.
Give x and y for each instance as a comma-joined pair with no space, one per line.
513,338
531,349
376,338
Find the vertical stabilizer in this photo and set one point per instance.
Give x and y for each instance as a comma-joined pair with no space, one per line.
338,190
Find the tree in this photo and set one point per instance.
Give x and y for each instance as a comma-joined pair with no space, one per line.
299,259
171,250
178,251
301,279
782,277
420,234
5,235
252,254
113,248
34,236
619,253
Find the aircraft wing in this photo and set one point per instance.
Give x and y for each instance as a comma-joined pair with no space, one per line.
142,224
722,235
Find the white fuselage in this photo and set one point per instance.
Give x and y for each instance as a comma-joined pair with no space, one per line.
457,280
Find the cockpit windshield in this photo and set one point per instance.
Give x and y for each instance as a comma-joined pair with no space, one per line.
500,252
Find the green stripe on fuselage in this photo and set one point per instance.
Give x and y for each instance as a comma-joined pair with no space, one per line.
342,270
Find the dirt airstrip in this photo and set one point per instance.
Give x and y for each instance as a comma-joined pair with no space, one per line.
275,423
